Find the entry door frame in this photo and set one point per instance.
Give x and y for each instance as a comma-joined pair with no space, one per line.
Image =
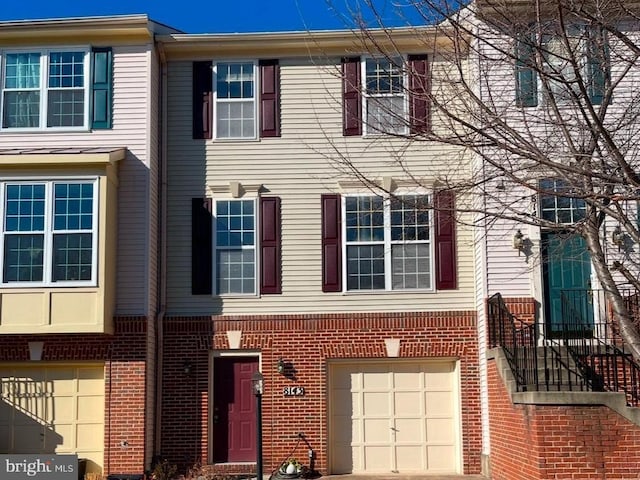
211,404
544,276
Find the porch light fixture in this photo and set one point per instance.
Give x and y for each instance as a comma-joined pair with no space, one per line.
518,241
281,366
187,367
617,237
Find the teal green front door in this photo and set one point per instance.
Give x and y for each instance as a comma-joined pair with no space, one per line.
568,299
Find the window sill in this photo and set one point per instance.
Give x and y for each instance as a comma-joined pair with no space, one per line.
406,291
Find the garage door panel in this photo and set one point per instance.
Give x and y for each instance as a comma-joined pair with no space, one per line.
62,437
411,457
439,404
408,403
90,408
52,408
409,430
374,380
402,415
63,409
405,379
377,458
376,403
376,430
438,458
439,431
87,438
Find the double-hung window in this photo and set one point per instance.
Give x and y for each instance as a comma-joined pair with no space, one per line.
385,101
46,89
387,242
235,250
235,100
49,232
569,56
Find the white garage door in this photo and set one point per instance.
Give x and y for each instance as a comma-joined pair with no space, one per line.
394,417
53,409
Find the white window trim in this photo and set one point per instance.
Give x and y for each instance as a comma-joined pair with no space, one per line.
216,101
387,244
256,248
48,232
366,97
44,88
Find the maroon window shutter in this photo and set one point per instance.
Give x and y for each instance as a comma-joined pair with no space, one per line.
445,240
331,244
202,100
201,246
269,98
419,90
270,241
351,98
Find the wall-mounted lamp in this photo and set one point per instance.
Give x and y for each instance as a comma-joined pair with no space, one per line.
617,237
281,366
518,241
187,367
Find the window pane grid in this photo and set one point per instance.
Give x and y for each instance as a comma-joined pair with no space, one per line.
559,209
23,258
235,100
365,267
235,245
48,232
388,243
48,83
411,266
385,96
73,257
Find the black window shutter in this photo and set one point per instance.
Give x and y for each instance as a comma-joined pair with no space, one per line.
351,97
270,246
419,90
269,98
445,240
201,246
101,88
331,243
202,100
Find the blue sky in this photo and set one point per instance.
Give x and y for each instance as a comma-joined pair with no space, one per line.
213,16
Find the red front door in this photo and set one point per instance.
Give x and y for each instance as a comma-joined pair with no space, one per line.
234,409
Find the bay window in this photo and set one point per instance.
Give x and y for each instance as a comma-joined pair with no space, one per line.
49,232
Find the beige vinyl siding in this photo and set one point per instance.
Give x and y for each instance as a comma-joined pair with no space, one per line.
298,167
130,110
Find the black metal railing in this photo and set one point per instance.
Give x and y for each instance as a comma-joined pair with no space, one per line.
591,335
535,367
582,352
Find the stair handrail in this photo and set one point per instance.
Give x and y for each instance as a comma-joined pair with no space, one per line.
598,350
513,335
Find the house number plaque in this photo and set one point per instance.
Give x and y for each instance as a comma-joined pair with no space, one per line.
293,391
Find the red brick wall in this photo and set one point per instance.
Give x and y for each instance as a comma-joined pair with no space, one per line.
125,374
558,441
307,343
